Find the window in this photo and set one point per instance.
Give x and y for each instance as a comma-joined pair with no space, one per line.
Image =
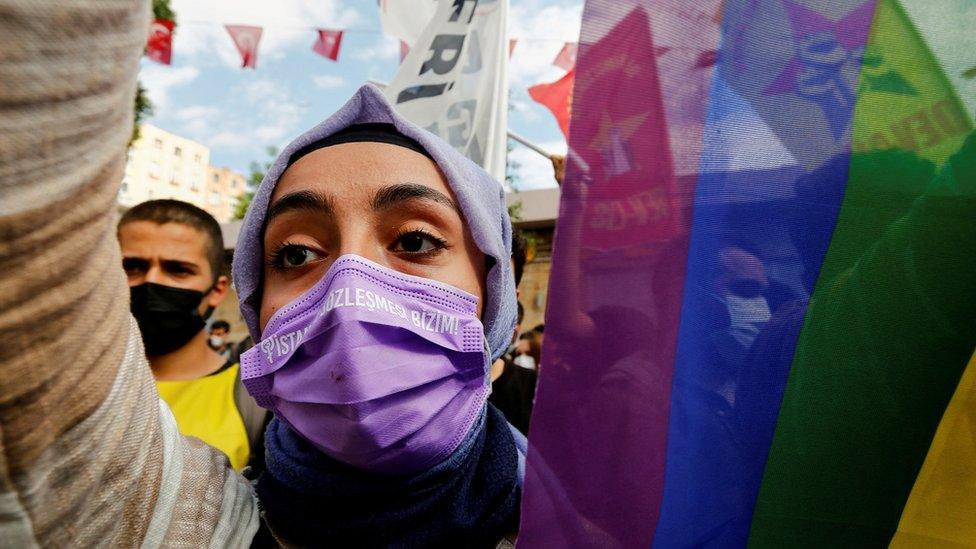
155,170
125,186
177,151
216,178
158,143
198,159
233,183
214,198
195,184
173,181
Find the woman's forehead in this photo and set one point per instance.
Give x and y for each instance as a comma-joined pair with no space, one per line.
351,171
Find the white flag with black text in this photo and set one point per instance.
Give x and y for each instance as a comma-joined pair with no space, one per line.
454,80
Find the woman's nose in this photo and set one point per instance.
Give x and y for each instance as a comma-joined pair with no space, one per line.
364,245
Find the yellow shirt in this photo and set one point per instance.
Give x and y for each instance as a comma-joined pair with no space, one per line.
205,408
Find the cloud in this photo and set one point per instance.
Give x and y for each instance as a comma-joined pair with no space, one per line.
159,80
197,120
196,111
529,110
534,171
250,116
531,62
328,81
228,139
274,112
385,48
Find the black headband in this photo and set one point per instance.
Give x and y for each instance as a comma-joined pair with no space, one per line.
377,132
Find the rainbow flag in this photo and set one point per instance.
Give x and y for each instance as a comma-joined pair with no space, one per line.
762,306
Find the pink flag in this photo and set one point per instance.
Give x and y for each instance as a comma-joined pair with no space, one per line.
404,50
328,44
511,46
567,56
159,47
246,39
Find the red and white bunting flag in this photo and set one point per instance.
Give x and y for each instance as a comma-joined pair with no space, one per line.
404,50
246,39
511,46
567,56
558,98
159,47
328,44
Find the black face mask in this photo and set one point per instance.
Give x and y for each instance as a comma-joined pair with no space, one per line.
167,316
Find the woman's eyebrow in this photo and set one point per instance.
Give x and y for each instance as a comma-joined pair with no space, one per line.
301,200
388,197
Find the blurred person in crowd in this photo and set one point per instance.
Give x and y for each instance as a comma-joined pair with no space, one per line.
172,253
219,330
540,332
528,350
512,387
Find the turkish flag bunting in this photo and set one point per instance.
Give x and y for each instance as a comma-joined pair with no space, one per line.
511,46
246,39
404,50
328,44
567,56
557,97
159,47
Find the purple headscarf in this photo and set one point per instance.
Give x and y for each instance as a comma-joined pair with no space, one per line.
480,197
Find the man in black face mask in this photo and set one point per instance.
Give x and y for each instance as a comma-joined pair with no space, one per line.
172,253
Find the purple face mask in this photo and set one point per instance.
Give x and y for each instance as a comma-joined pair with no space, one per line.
380,370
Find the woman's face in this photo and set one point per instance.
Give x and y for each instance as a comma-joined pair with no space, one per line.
386,203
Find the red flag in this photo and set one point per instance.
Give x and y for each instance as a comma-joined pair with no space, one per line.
567,56
557,97
404,50
246,39
328,44
159,47
511,46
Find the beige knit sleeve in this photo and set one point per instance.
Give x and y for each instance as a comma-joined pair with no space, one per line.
88,456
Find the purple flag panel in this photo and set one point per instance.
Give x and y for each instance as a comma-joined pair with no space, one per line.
596,460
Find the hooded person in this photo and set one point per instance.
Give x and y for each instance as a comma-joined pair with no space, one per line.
373,273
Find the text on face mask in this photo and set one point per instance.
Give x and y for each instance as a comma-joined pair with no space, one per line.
280,345
428,321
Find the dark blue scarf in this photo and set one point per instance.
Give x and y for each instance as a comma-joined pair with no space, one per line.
470,499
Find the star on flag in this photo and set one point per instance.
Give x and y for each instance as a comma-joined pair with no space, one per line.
826,58
613,140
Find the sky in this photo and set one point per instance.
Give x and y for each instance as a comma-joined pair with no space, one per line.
206,96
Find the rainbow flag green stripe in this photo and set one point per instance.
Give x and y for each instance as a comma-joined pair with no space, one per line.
889,330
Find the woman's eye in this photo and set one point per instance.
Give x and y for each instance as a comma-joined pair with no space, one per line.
417,242
295,256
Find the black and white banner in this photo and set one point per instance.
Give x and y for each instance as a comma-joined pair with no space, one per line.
454,80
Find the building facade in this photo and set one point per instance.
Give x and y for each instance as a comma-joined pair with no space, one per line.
224,185
164,165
